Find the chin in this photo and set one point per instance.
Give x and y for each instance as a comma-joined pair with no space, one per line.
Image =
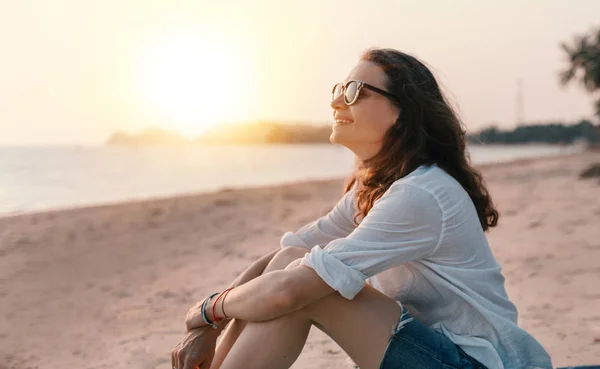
335,139
332,138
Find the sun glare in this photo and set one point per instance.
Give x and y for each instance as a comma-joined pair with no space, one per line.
190,81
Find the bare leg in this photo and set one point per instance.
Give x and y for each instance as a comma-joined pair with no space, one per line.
233,330
361,326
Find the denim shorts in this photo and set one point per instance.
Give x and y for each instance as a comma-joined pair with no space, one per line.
415,345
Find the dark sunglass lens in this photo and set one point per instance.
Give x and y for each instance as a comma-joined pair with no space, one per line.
351,91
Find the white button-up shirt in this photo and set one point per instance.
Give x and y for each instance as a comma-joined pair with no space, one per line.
422,244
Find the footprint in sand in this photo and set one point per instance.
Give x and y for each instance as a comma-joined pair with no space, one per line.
225,202
535,224
531,259
122,294
564,281
295,196
142,359
166,294
34,220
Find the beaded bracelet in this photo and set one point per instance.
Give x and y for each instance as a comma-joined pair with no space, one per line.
203,309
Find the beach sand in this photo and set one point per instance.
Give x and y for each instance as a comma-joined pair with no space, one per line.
109,286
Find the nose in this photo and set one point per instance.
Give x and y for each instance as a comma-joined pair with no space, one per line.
338,103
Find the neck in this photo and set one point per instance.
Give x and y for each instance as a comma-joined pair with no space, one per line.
366,152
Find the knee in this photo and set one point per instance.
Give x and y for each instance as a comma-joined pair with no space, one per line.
294,263
284,257
291,253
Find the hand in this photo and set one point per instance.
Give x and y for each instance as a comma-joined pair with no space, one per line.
193,318
196,350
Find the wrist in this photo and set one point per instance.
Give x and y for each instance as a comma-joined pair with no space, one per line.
209,309
214,310
206,311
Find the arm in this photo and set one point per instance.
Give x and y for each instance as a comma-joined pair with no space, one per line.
273,295
253,270
198,346
405,224
335,224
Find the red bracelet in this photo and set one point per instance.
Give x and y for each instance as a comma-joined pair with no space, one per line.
215,319
223,304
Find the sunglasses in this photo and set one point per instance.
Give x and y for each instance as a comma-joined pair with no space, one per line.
351,90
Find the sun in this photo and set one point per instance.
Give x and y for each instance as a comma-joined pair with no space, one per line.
189,82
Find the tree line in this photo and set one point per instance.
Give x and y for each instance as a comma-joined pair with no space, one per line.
554,133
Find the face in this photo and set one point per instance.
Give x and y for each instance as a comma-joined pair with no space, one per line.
362,126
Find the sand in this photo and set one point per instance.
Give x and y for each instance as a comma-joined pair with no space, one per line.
108,286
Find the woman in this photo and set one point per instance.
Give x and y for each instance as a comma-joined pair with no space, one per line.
403,249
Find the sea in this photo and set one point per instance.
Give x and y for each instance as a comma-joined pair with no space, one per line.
47,178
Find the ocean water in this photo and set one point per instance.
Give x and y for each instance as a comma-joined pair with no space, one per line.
33,179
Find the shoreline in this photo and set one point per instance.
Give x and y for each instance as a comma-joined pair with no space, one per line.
111,284
150,199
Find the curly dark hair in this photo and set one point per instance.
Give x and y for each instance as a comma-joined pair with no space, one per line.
427,131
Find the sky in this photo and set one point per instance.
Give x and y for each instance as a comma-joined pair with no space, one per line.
74,71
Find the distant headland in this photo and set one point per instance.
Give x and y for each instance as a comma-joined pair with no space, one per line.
247,133
286,133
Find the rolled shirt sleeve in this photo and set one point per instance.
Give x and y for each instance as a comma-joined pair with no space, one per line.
337,223
405,224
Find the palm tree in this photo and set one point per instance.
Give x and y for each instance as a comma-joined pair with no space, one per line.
584,58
